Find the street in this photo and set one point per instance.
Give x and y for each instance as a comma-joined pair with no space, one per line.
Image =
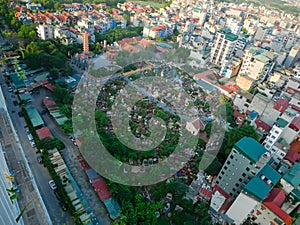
70,157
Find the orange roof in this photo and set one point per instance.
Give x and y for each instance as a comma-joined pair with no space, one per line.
158,28
295,146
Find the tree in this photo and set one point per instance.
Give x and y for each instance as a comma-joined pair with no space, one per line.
207,129
47,143
140,211
54,72
61,95
233,136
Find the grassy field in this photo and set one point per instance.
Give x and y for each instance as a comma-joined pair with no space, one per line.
153,4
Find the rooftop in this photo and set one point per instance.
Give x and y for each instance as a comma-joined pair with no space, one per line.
34,116
276,196
43,133
261,185
295,124
231,37
293,175
250,148
281,122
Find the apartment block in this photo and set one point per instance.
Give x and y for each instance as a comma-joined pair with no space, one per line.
246,158
223,46
45,31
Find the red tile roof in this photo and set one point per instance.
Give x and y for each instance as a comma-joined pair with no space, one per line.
296,108
274,202
281,105
50,87
197,123
203,74
262,124
158,28
292,156
228,201
295,124
43,133
48,102
276,196
206,193
288,220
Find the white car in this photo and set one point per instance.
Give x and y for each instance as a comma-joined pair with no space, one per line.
52,184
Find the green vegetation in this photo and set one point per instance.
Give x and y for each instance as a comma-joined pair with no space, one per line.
231,137
116,34
155,4
49,55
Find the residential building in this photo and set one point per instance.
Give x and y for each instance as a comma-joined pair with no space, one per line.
194,126
85,42
292,131
155,32
270,211
253,193
244,82
246,158
230,68
241,208
242,101
257,63
9,210
291,180
260,33
223,46
292,57
45,31
275,133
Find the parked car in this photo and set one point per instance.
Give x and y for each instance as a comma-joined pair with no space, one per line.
29,135
52,184
44,111
40,159
10,89
58,195
32,144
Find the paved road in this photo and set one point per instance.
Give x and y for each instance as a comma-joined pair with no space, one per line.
40,173
70,156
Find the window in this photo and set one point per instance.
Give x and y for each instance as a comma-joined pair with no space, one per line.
220,177
222,172
233,189
228,162
240,180
225,167
231,156
251,163
217,182
243,174
247,169
237,185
